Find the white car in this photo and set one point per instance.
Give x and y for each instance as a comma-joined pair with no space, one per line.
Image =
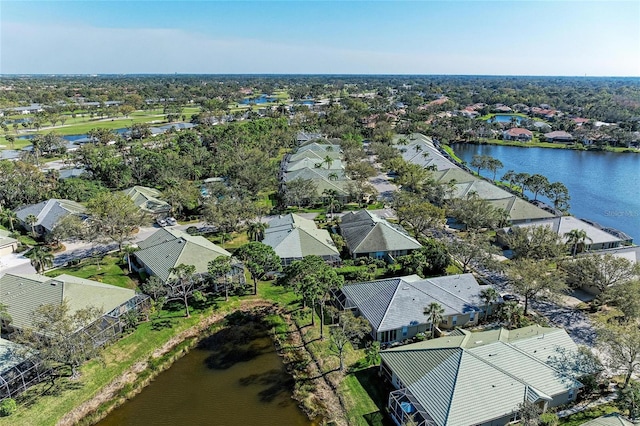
161,222
172,221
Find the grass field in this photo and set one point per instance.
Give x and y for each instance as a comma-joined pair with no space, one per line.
81,124
110,270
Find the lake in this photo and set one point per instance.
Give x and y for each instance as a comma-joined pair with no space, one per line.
604,186
234,377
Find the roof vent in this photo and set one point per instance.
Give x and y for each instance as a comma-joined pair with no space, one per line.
405,288
477,342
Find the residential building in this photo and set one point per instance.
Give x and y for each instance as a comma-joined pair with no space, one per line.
293,237
368,235
48,214
395,307
597,239
517,134
613,419
24,293
478,378
559,136
8,245
168,248
148,200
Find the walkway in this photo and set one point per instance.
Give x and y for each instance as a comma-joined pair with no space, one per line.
582,407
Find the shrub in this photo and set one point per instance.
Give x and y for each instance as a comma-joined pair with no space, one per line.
549,419
7,407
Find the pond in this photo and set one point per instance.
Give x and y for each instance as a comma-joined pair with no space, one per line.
505,118
262,99
233,377
603,185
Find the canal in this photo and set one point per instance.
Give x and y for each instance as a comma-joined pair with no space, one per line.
234,377
604,186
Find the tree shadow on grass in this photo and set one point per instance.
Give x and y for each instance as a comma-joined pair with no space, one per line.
378,392
46,388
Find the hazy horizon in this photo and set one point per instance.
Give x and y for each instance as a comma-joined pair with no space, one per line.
486,38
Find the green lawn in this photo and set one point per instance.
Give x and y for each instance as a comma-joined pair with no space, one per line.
110,270
365,398
590,414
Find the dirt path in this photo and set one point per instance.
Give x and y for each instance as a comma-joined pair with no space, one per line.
110,391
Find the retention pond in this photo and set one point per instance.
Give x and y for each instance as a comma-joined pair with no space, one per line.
234,377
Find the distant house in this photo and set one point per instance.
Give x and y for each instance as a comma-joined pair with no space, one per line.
293,237
502,108
170,247
24,293
368,235
48,214
8,245
148,200
517,134
395,307
478,378
304,137
559,136
597,239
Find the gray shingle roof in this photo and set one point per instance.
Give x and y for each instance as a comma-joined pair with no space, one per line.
364,232
168,248
393,303
50,212
293,236
24,293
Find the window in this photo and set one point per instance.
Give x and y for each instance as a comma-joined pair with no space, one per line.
405,331
455,320
571,393
472,315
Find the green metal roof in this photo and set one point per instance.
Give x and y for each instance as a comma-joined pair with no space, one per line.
476,377
147,199
24,293
168,248
613,419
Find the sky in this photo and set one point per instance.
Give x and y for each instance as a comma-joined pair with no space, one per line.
565,38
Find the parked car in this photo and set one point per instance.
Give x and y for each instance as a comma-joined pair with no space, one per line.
172,221
510,298
161,222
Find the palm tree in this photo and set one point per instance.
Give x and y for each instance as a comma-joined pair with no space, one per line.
9,216
255,231
333,176
31,221
510,176
513,313
41,258
128,251
435,314
575,238
488,296
328,161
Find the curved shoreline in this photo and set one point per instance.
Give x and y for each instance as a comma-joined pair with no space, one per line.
141,374
109,397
